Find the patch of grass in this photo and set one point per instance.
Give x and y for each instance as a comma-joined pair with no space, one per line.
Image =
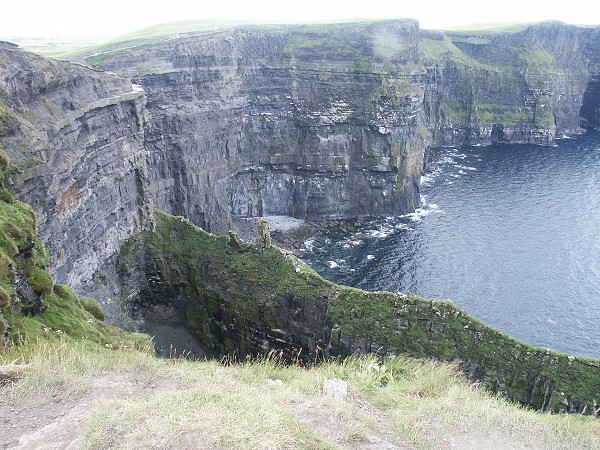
535,57
58,360
91,305
444,50
490,28
265,403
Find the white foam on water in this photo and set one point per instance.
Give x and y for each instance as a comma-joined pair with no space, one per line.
379,233
349,243
419,213
331,264
309,243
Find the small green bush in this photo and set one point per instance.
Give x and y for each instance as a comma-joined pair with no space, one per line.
4,160
6,196
40,280
5,300
91,305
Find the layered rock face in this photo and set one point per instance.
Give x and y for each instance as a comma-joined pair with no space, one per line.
75,140
519,87
305,121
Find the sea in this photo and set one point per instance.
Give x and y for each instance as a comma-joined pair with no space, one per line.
509,233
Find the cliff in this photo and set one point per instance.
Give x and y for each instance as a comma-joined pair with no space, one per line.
306,121
527,85
240,299
75,138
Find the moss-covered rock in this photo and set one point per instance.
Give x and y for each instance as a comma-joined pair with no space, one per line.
245,301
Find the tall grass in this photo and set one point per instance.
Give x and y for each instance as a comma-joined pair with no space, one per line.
68,362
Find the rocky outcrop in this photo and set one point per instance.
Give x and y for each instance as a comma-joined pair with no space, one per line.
75,138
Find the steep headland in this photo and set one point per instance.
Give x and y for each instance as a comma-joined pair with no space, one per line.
307,121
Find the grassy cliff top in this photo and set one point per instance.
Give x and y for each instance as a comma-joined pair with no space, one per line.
106,398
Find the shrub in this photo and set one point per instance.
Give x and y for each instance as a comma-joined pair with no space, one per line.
5,300
40,280
91,305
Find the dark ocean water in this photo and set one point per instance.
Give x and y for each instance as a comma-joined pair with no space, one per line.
510,233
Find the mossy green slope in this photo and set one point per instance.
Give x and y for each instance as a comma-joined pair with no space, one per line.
252,301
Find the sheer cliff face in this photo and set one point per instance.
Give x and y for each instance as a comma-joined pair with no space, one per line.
524,87
309,122
75,141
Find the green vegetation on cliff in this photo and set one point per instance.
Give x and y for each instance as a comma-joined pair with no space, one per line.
251,301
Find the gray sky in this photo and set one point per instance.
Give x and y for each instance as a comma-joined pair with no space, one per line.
35,18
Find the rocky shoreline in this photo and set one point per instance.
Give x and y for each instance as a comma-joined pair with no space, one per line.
292,234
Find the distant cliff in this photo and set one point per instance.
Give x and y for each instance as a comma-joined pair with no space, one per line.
306,121
527,86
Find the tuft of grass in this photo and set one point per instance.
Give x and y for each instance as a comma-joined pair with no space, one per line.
57,360
91,305
40,280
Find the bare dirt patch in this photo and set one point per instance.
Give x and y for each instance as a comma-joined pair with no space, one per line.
55,419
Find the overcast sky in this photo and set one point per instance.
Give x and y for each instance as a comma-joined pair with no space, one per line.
113,17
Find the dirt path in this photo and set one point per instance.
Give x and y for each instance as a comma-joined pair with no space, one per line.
55,420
